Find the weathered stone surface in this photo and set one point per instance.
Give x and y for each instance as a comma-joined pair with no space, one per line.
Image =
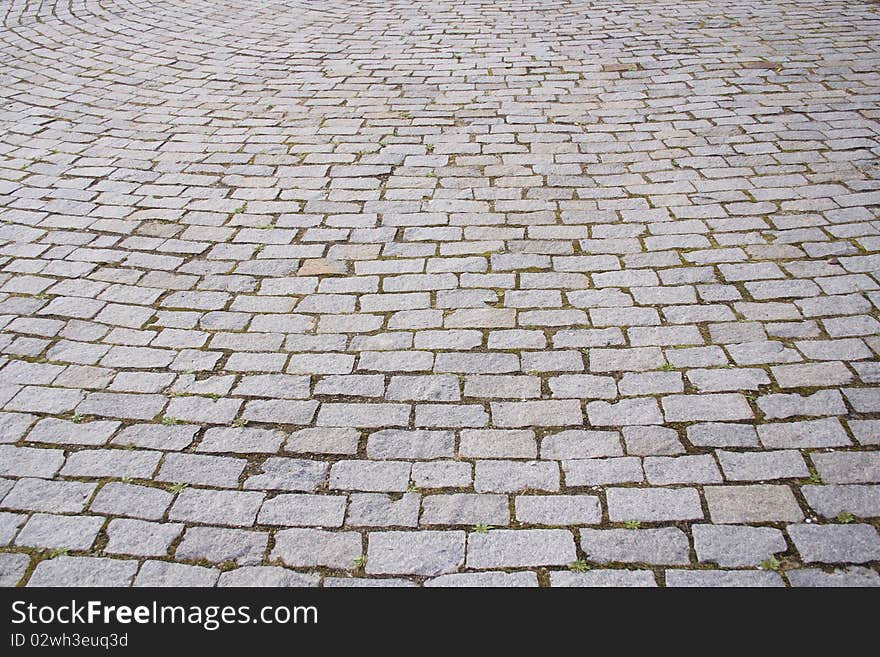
511,548
723,578
83,571
497,579
748,504
465,509
845,577
415,553
266,576
836,543
316,547
733,546
666,546
303,510
13,566
653,504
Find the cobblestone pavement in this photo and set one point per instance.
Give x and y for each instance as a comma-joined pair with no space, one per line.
432,292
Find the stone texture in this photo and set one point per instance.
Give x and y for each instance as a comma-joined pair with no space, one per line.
415,553
666,546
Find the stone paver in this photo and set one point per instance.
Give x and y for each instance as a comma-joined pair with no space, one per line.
439,294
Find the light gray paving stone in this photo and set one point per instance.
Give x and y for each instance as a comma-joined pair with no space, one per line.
50,496
216,507
580,444
583,386
636,411
442,474
403,444
732,546
140,537
599,472
43,399
368,582
514,476
424,388
808,375
379,510
67,571
63,432
706,408
653,504
843,577
558,509
341,441
752,504
722,434
199,469
465,509
14,425
497,579
10,523
112,463
502,386
451,415
63,532
537,413
760,466
221,545
666,546
718,380
497,443
276,411
156,436
168,574
512,548
128,406
288,474
415,553
266,576
695,469
302,510
821,403
652,441
866,432
855,543
370,476
862,501
848,467
358,415
13,566
803,434
316,547
722,578
30,462
604,578
240,440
